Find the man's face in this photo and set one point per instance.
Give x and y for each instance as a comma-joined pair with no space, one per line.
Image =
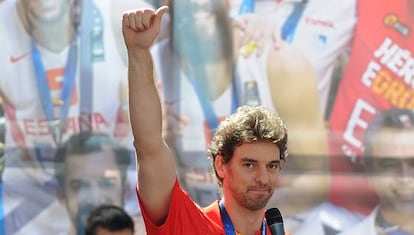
392,168
251,175
46,11
92,180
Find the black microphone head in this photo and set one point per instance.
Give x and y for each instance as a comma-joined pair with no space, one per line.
273,216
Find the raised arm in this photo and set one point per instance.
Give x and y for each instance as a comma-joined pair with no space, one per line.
156,175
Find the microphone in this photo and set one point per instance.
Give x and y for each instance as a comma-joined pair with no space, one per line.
275,221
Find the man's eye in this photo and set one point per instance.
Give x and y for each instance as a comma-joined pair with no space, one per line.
248,165
107,182
77,185
274,166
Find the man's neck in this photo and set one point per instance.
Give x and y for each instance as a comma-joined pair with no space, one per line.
399,218
245,221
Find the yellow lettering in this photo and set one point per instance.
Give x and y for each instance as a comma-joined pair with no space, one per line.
381,83
394,91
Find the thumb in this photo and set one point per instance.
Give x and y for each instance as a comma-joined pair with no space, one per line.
158,15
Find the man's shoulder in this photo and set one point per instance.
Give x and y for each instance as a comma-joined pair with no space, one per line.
213,213
212,209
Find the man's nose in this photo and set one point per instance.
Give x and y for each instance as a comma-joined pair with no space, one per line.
262,175
95,196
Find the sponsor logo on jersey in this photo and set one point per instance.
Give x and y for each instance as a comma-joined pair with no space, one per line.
392,21
15,59
319,22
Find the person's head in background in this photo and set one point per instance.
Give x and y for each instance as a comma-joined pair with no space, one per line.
202,40
46,12
109,220
389,158
91,170
42,19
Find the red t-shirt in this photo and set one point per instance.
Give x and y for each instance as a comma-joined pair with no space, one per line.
186,217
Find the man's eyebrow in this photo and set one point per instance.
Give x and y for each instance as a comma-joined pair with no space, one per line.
246,159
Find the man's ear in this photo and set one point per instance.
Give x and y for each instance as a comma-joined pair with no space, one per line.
220,166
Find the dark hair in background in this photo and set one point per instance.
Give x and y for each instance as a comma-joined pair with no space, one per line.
85,143
108,217
394,118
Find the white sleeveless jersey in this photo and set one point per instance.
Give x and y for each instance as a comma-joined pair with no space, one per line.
324,31
26,123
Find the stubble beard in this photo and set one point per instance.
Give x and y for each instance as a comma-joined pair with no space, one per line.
248,201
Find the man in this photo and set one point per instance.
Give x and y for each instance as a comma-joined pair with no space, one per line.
246,152
91,170
109,220
54,82
389,163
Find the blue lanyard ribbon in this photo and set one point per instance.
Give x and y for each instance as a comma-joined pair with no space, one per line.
209,114
86,72
228,225
247,6
291,23
56,124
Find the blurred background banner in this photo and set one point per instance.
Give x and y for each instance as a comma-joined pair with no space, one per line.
340,73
